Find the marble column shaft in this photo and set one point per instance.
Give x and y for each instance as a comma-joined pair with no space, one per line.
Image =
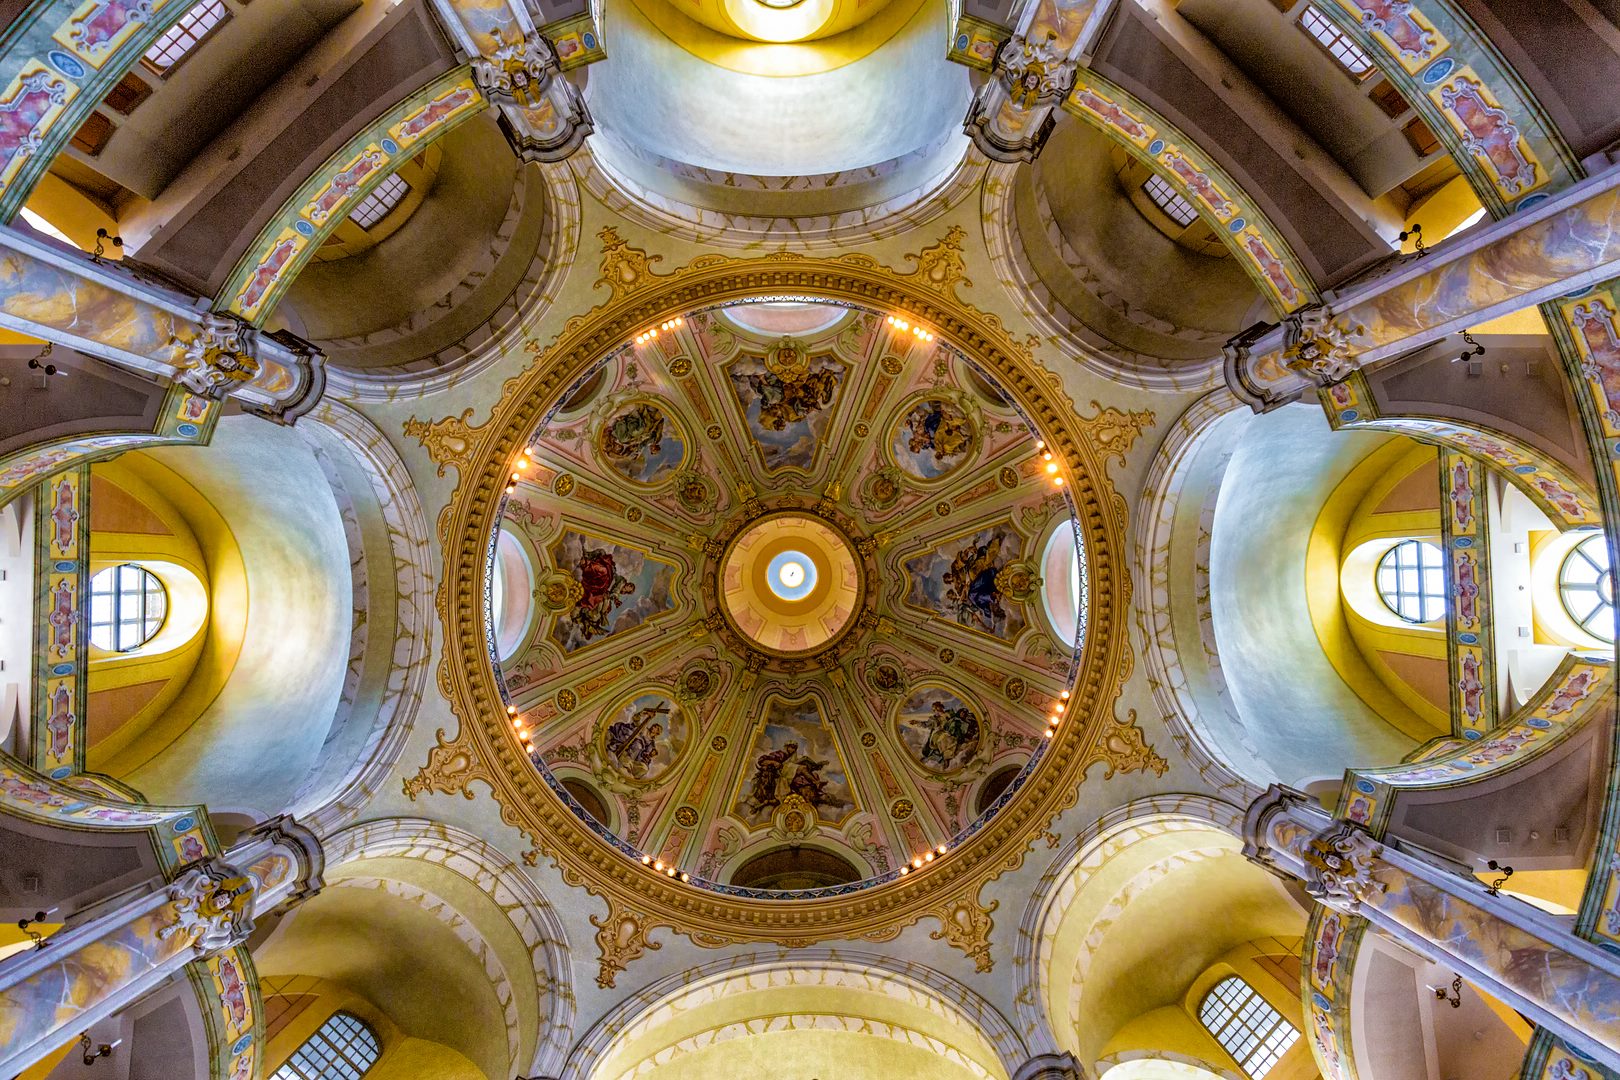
1506,947
127,946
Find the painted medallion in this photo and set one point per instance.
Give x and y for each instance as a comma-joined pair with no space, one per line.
933,439
641,443
643,737
941,732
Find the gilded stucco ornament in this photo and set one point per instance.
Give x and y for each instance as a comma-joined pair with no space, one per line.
1322,348
621,938
448,441
1036,72
219,358
1115,431
640,899
1339,863
213,905
965,924
1124,749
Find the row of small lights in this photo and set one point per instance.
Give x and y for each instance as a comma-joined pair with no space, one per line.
1051,465
918,861
902,325
647,335
523,463
528,746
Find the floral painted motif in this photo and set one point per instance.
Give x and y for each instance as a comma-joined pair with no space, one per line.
1395,20
439,109
106,24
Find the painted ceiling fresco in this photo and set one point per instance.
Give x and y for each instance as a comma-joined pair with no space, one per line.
702,748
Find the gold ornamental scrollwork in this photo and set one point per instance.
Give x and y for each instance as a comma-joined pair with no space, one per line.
639,898
448,441
621,938
965,924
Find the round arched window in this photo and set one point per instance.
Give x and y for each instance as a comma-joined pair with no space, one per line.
1412,581
127,607
1586,586
511,594
1063,574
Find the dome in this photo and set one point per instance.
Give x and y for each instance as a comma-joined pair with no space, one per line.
790,594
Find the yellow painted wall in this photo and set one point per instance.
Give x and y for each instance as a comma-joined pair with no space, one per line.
198,540
1351,642
73,212
1177,1029
404,1057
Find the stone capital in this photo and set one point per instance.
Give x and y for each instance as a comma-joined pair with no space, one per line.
1051,1067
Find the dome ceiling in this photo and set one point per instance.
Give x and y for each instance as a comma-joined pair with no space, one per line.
787,599
707,129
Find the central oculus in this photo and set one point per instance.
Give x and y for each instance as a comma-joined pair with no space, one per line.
790,583
791,575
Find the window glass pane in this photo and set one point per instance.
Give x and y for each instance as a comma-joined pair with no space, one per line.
1336,42
377,205
186,34
127,605
1586,586
1411,580
1246,1025
342,1049
1165,197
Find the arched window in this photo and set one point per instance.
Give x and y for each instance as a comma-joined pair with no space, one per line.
344,1048
1586,587
1246,1026
511,594
127,607
1164,196
1412,581
1338,44
1062,572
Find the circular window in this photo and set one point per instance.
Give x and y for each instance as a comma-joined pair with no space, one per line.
1412,581
127,607
1586,587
